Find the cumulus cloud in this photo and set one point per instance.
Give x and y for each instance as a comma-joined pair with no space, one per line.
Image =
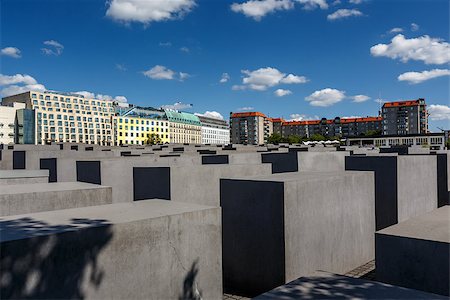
147,11
418,77
165,44
246,108
90,95
313,4
177,106
211,114
344,13
18,83
439,112
263,78
257,9
54,48
396,30
11,52
159,72
414,27
225,77
302,117
185,49
282,92
360,98
121,67
355,1
325,97
426,49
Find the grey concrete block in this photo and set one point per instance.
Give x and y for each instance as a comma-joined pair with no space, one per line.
323,285
322,161
36,197
23,176
415,253
279,227
143,250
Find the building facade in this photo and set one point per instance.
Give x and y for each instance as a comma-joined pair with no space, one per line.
140,126
250,128
7,121
434,141
214,131
64,117
184,128
405,117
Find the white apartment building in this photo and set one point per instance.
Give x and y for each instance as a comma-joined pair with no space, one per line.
7,119
214,131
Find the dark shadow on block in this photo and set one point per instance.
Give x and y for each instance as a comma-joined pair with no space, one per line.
19,161
61,146
281,162
215,160
442,180
178,149
302,149
151,183
253,255
11,147
74,147
89,171
201,152
50,165
386,199
402,150
89,149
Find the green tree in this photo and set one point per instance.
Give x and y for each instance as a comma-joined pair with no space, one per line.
294,139
317,137
153,139
275,138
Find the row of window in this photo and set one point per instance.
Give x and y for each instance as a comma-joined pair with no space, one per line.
142,122
73,100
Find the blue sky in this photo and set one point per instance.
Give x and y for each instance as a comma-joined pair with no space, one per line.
297,59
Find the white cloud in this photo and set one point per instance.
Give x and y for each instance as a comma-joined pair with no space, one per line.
355,1
211,114
302,117
418,77
177,106
344,13
360,98
225,77
263,78
185,49
147,11
396,30
16,84
257,9
159,72
55,48
90,95
414,27
246,108
282,93
439,112
426,49
351,117
165,44
11,52
336,2
313,4
325,97
121,67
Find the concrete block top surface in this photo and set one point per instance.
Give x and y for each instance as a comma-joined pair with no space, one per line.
301,176
48,187
10,174
323,285
433,226
45,223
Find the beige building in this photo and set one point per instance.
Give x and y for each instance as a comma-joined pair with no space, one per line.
250,128
7,119
183,127
64,117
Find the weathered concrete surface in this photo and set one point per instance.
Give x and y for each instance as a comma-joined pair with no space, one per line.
323,285
36,197
415,253
10,177
144,250
322,161
279,227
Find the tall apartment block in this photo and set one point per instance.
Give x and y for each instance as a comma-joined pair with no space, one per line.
405,117
183,127
7,121
62,117
214,131
135,125
250,128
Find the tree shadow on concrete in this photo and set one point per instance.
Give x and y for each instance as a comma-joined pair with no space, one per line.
44,261
332,286
190,288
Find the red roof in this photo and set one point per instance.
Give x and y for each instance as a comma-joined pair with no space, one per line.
343,121
248,114
402,103
278,120
360,120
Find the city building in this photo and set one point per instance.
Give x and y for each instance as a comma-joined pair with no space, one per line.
7,121
63,117
338,127
250,128
405,117
135,125
214,131
434,141
183,127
